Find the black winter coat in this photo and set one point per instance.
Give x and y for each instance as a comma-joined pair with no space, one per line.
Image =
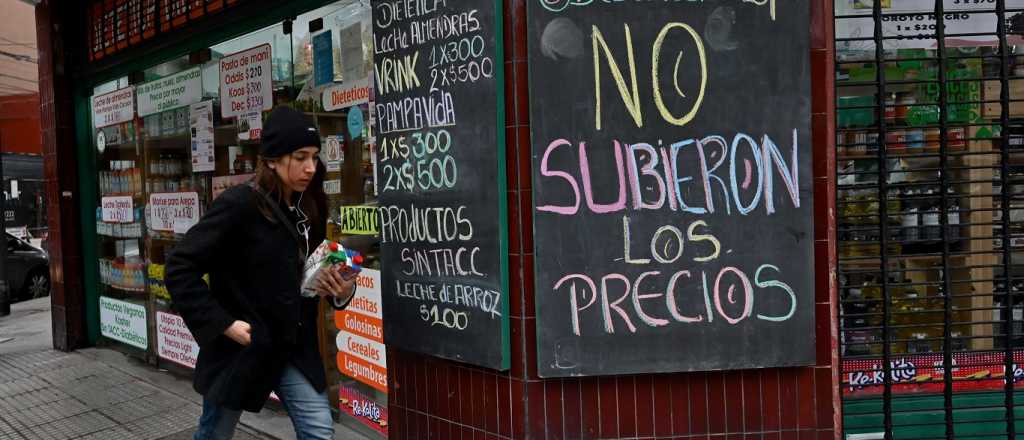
255,266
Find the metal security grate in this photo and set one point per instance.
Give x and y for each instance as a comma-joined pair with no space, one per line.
930,197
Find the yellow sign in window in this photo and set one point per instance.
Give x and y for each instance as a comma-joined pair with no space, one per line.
359,220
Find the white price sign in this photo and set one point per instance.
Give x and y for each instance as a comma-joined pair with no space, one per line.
914,20
113,108
171,92
117,209
362,348
332,187
173,340
245,81
123,321
173,212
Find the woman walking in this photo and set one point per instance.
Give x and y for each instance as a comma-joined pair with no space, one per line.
255,331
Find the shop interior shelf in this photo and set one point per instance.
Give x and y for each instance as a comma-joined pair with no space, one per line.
169,137
124,289
327,115
111,237
847,90
164,237
111,146
897,154
874,262
132,195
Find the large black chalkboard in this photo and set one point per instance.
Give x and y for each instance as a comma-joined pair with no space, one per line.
441,177
703,264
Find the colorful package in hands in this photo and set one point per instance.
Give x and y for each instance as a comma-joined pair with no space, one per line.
329,256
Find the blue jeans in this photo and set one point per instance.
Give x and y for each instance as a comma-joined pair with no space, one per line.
309,411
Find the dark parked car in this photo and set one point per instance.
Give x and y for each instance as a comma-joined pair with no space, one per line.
28,269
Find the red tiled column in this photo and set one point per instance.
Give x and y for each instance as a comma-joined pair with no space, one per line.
61,176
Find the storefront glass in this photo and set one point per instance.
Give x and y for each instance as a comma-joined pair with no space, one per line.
930,215
189,128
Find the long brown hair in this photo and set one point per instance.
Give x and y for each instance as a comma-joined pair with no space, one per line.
313,202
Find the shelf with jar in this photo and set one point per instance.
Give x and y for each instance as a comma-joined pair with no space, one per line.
916,315
155,274
123,178
120,230
114,139
909,106
124,274
170,172
223,135
1013,292
914,221
917,142
168,124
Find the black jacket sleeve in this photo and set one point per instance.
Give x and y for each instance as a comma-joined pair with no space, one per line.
196,255
338,305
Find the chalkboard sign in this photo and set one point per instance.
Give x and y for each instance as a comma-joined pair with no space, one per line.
672,185
441,176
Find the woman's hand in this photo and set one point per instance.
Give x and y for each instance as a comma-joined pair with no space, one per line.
330,282
240,332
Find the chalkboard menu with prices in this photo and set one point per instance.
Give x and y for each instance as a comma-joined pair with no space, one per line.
672,185
441,174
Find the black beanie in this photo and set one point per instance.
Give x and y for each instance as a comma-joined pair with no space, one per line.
287,130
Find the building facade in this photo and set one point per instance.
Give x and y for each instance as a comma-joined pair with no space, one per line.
580,219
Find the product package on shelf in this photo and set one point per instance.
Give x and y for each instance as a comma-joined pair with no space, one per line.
123,274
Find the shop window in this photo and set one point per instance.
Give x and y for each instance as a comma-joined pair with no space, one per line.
333,53
929,202
168,143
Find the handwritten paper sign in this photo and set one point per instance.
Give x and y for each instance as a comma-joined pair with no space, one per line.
174,342
171,92
118,209
245,82
440,166
360,341
114,107
671,186
173,212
